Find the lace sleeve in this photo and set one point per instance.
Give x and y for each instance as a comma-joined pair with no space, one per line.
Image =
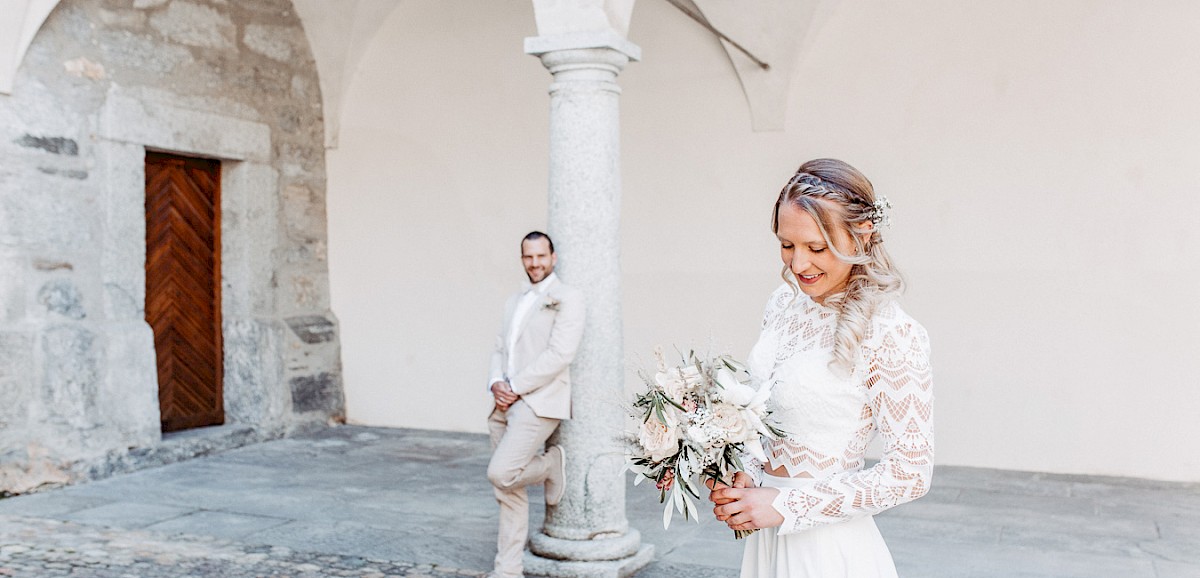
777,302
896,373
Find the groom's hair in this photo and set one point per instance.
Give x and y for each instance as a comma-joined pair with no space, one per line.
535,235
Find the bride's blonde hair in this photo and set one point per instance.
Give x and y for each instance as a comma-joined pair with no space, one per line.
838,196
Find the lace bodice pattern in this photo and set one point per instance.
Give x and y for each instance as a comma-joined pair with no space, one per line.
830,418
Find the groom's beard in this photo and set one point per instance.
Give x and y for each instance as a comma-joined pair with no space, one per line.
538,275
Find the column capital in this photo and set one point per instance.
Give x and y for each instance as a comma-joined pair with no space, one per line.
540,45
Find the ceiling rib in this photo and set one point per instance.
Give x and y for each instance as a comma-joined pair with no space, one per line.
693,12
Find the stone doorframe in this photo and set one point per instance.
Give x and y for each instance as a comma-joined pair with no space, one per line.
130,124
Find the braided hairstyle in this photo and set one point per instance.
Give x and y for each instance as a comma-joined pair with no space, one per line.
836,195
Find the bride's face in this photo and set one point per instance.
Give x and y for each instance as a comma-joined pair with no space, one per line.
804,250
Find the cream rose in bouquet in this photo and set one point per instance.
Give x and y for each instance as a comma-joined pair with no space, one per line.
695,420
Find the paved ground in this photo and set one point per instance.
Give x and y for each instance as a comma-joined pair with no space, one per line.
371,502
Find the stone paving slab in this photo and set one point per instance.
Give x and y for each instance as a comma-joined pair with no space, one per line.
49,504
422,497
219,524
1175,570
932,560
715,553
127,514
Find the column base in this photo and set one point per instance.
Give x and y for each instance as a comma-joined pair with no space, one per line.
537,566
616,557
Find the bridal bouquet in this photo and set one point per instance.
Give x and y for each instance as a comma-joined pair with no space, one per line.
696,418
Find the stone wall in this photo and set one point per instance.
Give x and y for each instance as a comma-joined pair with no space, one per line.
103,81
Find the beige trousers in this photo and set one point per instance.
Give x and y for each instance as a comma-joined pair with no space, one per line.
518,439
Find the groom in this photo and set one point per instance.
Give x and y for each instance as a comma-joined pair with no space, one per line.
531,387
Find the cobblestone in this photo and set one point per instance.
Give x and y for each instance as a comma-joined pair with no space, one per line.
38,548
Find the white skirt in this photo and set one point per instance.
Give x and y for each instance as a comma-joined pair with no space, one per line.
850,549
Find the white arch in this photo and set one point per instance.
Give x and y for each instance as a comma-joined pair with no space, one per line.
339,33
18,25
775,31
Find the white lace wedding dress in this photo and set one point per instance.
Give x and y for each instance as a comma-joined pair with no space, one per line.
828,499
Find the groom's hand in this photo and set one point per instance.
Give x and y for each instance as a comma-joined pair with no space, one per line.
504,395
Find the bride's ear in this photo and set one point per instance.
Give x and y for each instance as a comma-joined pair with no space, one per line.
864,230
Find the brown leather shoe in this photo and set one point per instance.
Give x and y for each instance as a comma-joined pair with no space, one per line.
556,482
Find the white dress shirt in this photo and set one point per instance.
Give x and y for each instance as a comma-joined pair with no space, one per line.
532,295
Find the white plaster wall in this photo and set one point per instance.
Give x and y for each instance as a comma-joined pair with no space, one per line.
1041,157
438,178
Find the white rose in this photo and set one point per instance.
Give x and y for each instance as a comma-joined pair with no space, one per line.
691,376
660,440
672,384
729,419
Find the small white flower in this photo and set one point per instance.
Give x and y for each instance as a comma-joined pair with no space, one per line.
880,212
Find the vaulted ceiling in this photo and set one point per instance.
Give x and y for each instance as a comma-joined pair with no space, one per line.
339,31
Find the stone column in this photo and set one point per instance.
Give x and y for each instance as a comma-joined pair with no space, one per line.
587,534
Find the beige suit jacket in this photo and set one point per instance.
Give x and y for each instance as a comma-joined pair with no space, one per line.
544,349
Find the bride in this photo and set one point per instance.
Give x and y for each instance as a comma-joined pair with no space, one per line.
847,364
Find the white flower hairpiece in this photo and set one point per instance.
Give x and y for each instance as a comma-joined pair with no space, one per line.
879,212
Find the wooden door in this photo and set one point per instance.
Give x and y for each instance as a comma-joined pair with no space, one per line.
183,287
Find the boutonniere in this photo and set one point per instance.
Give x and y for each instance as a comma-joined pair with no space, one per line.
551,304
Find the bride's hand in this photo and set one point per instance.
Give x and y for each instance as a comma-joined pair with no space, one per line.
744,508
740,480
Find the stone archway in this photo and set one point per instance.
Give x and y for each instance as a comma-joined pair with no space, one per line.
99,86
